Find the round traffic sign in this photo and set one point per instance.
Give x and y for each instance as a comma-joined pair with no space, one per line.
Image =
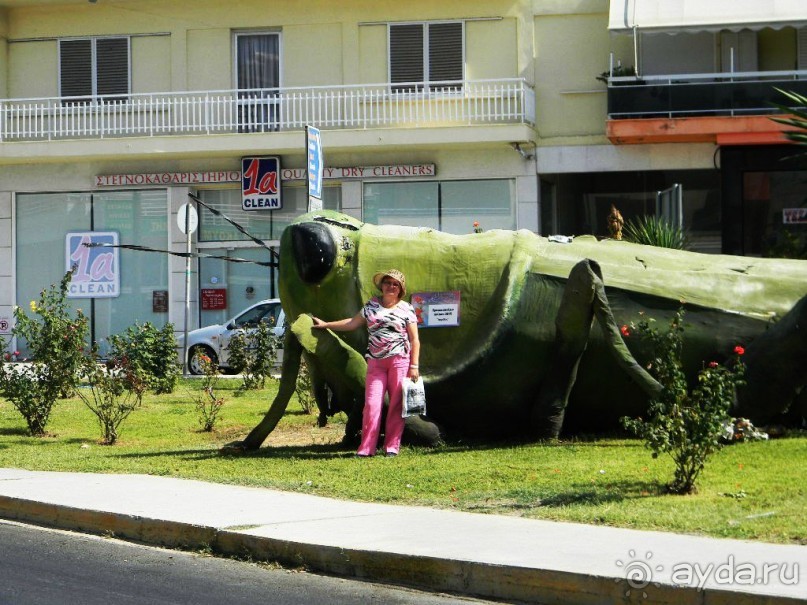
187,216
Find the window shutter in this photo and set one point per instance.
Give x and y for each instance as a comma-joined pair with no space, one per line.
445,51
802,64
406,53
112,66
75,68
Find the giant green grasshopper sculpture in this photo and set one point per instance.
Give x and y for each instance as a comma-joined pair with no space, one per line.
525,359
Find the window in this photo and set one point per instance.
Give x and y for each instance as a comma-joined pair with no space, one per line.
263,224
426,55
257,69
450,206
139,216
90,67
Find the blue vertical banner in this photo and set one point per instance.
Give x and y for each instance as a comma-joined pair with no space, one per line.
315,166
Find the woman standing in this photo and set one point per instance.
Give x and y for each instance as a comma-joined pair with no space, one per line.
393,351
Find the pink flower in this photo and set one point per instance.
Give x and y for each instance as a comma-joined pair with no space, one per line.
624,330
713,364
739,350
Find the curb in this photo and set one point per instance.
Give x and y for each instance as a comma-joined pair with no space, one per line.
470,578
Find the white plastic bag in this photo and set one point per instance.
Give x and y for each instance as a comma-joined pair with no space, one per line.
414,398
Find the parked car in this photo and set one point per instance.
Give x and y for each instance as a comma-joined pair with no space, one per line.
214,340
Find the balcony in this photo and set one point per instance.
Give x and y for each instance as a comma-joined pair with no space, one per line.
717,94
723,108
355,107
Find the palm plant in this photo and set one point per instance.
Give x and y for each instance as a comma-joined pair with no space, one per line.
797,116
654,231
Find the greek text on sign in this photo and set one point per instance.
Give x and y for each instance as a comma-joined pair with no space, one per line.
97,269
260,184
437,309
167,178
794,216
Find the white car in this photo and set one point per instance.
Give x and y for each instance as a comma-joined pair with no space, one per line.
214,340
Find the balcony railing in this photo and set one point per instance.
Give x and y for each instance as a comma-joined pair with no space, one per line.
690,95
268,110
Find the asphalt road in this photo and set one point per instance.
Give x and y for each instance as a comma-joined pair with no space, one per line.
50,567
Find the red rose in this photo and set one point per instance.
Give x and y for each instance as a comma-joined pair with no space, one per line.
624,330
739,350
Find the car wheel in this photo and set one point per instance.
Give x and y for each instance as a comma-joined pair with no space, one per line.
194,363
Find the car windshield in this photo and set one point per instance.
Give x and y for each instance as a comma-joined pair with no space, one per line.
267,313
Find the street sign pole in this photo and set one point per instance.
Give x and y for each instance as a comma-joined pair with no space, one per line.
187,221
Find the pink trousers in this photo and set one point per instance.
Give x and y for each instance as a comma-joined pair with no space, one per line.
383,375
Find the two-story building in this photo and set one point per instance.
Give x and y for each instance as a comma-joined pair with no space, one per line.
681,117
438,114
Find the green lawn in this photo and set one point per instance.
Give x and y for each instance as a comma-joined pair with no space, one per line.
752,491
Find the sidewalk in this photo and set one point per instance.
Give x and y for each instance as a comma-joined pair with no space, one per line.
490,556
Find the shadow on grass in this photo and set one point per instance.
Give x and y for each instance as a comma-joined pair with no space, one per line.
461,445
307,452
577,495
14,432
616,491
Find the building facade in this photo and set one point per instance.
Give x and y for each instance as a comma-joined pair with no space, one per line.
114,113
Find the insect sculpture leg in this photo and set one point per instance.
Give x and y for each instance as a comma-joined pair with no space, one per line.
583,299
775,368
292,352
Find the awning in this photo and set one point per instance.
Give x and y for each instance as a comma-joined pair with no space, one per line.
705,15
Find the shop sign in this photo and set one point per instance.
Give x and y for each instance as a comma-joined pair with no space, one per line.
794,216
214,299
97,268
260,184
437,309
397,171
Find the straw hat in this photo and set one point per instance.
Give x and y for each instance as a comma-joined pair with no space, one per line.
394,274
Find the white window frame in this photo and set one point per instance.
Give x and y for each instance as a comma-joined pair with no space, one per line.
262,32
94,62
427,87
271,103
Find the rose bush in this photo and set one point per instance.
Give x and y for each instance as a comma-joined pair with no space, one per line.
685,423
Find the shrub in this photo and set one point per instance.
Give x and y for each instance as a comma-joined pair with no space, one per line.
113,391
32,390
686,423
208,405
152,351
305,388
56,338
253,354
654,231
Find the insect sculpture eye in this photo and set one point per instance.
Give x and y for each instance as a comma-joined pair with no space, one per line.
314,251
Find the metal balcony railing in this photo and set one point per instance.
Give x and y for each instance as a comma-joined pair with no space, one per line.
365,106
690,95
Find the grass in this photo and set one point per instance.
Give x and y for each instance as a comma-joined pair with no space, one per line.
752,491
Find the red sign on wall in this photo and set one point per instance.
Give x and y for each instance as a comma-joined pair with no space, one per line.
214,299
